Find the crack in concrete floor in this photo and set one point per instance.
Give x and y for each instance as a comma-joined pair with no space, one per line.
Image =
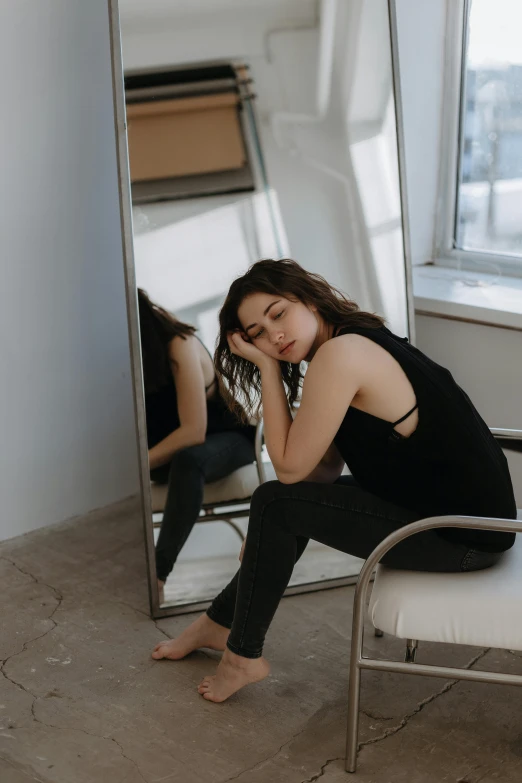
108,738
404,721
272,756
59,598
57,595
420,706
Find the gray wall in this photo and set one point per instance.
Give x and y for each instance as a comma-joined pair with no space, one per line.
68,443
487,362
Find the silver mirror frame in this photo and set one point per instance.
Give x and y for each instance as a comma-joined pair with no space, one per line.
132,302
401,157
127,237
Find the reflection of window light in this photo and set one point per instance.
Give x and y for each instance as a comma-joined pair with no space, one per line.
208,327
192,260
265,214
375,168
188,262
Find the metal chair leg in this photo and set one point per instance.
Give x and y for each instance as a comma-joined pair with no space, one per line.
411,650
236,528
354,696
354,691
378,633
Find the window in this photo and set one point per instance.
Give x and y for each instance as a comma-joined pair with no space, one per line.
488,216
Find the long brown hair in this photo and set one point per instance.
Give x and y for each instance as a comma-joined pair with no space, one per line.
157,329
241,378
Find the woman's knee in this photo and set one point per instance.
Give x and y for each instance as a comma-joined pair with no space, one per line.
265,495
185,462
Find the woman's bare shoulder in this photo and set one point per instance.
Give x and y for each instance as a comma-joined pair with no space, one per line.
348,354
181,347
351,347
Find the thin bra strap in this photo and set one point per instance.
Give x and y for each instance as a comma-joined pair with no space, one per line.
405,416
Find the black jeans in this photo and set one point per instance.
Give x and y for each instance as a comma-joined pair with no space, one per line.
283,517
186,475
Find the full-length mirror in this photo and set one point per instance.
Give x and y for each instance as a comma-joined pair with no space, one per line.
255,130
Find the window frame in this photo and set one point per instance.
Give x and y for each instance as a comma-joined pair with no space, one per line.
453,108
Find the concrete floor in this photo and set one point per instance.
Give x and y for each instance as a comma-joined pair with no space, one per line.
81,700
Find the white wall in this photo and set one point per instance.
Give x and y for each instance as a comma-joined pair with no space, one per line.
68,441
487,362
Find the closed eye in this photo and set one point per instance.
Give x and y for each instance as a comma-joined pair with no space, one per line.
260,332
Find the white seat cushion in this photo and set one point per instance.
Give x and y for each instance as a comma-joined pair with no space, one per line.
239,485
479,608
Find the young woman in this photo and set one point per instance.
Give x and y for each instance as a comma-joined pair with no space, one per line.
193,437
415,445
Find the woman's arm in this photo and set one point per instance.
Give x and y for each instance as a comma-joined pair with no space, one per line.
329,468
192,403
296,448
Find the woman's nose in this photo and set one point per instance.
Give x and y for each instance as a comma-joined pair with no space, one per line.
276,337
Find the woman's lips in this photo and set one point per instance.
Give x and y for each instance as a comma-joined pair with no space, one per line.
287,348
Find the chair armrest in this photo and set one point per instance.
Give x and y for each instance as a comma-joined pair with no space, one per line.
430,523
508,439
506,434
258,445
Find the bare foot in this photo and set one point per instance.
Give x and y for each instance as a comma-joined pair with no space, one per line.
203,632
233,673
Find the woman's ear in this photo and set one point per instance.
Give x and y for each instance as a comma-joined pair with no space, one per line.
313,308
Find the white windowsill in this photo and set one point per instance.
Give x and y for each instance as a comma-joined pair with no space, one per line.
475,296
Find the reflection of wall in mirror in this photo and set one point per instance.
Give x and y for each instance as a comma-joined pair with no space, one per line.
188,252
322,184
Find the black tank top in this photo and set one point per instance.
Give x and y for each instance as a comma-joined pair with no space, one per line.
451,464
161,409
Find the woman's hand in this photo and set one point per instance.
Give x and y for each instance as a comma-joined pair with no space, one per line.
241,347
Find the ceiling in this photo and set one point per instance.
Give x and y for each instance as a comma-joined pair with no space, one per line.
150,10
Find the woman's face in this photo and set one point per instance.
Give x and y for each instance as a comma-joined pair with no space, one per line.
281,328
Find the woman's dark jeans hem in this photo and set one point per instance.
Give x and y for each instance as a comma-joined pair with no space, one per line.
218,620
244,653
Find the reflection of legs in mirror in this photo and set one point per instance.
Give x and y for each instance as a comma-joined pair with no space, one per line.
282,517
189,470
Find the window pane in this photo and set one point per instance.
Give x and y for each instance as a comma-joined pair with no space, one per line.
489,207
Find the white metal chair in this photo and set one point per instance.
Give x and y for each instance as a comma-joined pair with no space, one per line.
470,608
227,498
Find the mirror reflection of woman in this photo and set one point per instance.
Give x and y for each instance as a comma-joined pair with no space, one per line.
192,436
415,445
